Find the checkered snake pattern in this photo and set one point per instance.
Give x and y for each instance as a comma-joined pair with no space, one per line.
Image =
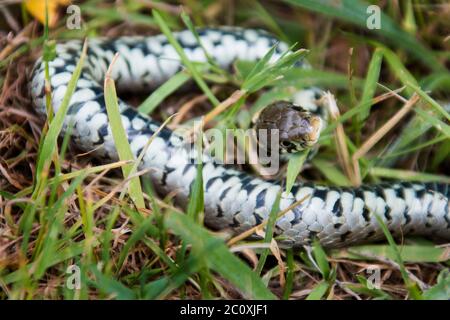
234,200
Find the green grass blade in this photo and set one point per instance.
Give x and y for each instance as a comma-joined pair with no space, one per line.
300,78
295,165
398,68
319,291
265,73
441,290
355,12
407,175
438,124
62,255
220,259
366,288
121,140
289,275
111,287
55,218
163,91
196,202
269,232
188,23
49,144
436,81
189,65
412,287
430,100
412,253
267,18
259,66
370,85
137,235
47,150
331,172
160,288
321,259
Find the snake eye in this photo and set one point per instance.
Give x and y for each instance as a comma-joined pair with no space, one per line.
287,144
297,108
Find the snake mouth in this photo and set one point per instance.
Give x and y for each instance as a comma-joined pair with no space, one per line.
307,134
313,136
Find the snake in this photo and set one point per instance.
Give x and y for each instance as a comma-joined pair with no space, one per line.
234,199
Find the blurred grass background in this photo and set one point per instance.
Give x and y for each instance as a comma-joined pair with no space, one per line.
61,211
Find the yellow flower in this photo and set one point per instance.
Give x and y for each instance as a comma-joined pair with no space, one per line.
37,9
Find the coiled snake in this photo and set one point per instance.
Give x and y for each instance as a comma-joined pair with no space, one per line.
233,199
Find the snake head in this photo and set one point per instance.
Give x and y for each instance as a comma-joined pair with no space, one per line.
298,128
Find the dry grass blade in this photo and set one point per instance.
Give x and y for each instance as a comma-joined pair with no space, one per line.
380,133
217,110
342,150
22,37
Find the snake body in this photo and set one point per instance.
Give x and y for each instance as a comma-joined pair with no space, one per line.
233,199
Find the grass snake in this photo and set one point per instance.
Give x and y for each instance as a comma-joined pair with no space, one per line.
233,199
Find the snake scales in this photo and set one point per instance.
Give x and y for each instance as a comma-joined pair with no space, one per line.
235,200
